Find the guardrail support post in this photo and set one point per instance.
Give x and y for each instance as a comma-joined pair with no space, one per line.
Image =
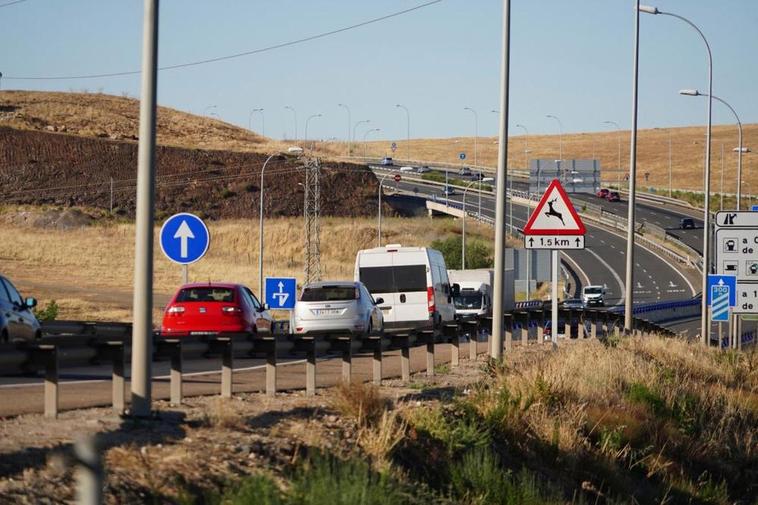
51,380
455,342
472,341
567,324
541,328
508,332
310,369
226,368
594,323
430,354
176,372
271,368
117,378
405,359
376,362
525,331
347,358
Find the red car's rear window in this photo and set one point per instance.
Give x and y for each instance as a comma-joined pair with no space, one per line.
205,294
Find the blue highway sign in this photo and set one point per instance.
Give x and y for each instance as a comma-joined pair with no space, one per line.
184,238
722,294
754,208
729,281
281,292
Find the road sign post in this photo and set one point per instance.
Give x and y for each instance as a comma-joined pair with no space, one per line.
557,227
184,239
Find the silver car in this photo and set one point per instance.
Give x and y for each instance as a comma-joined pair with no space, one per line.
337,307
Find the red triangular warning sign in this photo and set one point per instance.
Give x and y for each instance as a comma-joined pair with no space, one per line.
559,218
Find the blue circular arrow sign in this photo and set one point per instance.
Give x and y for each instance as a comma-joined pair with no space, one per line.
184,238
462,156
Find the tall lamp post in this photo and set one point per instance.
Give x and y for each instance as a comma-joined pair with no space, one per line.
364,138
739,149
260,231
618,129
705,325
463,222
407,130
560,135
306,124
349,122
379,212
263,121
358,123
289,107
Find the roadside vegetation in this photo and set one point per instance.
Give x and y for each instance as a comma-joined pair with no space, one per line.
639,421
91,279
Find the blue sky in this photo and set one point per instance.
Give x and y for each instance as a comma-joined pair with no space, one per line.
569,58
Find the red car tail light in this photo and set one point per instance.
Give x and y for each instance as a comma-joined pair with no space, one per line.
430,299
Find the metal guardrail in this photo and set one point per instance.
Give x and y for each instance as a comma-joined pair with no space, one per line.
48,353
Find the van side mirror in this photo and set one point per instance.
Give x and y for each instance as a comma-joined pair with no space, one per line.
378,301
456,289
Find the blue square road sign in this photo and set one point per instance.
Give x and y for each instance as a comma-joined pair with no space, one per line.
281,292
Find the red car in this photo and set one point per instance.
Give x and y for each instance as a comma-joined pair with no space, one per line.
613,196
602,193
214,308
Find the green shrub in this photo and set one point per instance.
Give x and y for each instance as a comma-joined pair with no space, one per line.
49,313
479,477
643,395
258,490
478,254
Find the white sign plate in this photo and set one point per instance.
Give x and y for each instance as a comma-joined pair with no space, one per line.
554,241
737,219
737,253
747,299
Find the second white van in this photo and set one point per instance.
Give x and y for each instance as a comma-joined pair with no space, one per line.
414,284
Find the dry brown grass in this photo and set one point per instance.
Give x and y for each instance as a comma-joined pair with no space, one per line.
688,147
360,402
89,270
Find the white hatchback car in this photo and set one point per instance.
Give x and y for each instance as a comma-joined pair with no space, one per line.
337,307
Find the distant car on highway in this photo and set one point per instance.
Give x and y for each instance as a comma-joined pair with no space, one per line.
572,303
602,193
464,171
423,169
448,190
686,222
341,307
386,162
215,308
613,196
593,295
407,169
17,321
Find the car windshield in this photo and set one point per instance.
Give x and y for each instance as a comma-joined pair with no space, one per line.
205,294
399,279
593,291
329,293
468,301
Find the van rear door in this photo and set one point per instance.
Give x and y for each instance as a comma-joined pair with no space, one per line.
412,281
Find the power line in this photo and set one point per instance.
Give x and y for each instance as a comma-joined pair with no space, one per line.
14,2
230,56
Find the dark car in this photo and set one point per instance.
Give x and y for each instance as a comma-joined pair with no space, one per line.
572,303
686,222
215,308
602,193
613,196
387,162
17,321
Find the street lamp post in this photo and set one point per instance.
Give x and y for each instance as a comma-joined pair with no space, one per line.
560,135
463,222
306,124
379,212
618,129
349,122
358,123
289,107
526,167
260,231
705,320
364,138
740,149
263,121
407,130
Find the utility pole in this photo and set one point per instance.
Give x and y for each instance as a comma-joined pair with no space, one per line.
142,333
312,221
498,306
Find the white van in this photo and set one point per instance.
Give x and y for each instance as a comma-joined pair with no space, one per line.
412,281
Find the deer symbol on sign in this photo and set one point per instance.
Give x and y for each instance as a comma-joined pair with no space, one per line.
553,212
